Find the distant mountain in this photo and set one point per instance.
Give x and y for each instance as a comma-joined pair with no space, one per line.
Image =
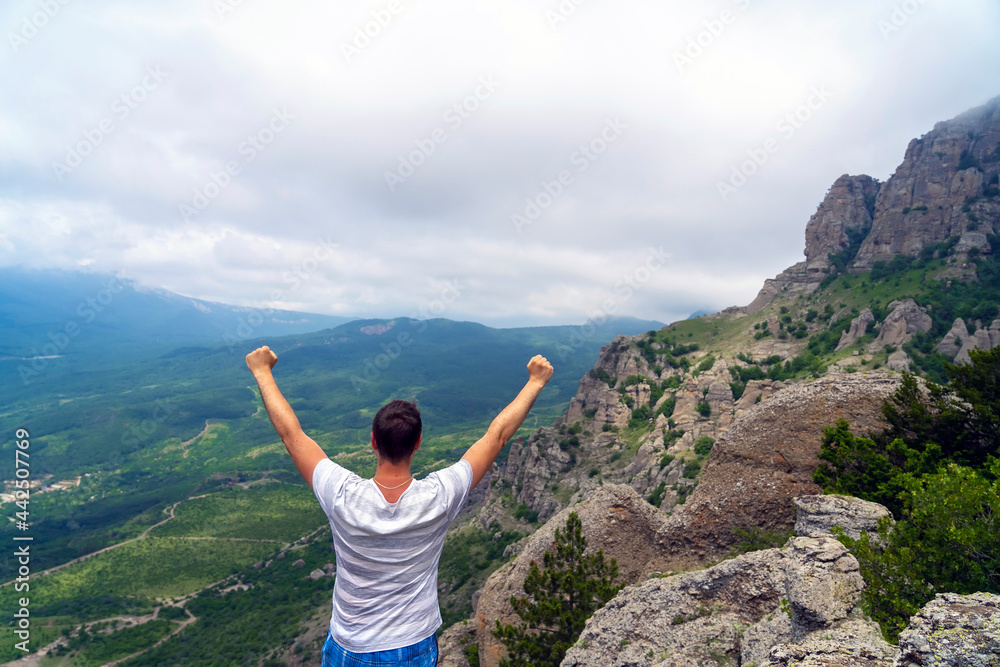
75,321
103,317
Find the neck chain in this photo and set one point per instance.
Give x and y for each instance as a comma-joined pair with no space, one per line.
390,488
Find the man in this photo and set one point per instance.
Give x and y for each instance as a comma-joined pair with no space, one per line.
388,531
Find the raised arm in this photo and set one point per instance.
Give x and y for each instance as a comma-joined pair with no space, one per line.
482,454
304,451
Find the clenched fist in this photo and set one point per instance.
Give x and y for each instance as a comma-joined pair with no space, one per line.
539,368
261,359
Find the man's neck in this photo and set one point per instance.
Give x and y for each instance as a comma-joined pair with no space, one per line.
392,479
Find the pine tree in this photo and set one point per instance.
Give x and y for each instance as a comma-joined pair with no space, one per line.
559,599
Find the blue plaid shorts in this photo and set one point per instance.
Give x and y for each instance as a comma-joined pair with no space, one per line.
421,654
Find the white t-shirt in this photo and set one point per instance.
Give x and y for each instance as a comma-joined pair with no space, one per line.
385,595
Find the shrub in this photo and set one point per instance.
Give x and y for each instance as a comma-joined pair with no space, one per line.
949,541
672,382
601,374
558,600
656,497
704,409
640,416
968,161
936,468
667,408
706,364
691,469
703,445
756,538
526,513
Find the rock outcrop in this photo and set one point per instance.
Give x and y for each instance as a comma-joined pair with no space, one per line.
578,460
939,183
816,515
859,327
953,631
958,342
595,394
736,611
945,187
847,210
614,519
906,320
854,645
453,642
955,340
800,278
767,458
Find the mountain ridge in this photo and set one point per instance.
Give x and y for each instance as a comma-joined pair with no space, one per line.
898,275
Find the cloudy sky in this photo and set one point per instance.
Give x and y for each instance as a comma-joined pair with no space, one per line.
535,161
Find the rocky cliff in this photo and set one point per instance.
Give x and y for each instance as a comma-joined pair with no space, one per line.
946,187
637,415
717,420
940,190
759,464
794,605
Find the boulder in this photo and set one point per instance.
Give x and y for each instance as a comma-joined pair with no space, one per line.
953,630
980,340
905,321
859,326
898,361
854,643
734,612
995,333
954,340
816,515
453,642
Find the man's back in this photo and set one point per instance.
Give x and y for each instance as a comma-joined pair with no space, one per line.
385,595
387,553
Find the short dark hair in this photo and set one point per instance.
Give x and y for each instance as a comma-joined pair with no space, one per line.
397,429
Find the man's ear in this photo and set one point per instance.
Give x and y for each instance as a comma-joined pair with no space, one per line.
420,439
374,446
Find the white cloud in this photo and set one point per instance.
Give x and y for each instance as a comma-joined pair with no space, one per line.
324,176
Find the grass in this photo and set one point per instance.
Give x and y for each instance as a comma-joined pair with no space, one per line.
42,634
100,649
280,512
149,568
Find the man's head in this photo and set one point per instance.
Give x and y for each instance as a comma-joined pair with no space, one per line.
396,430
